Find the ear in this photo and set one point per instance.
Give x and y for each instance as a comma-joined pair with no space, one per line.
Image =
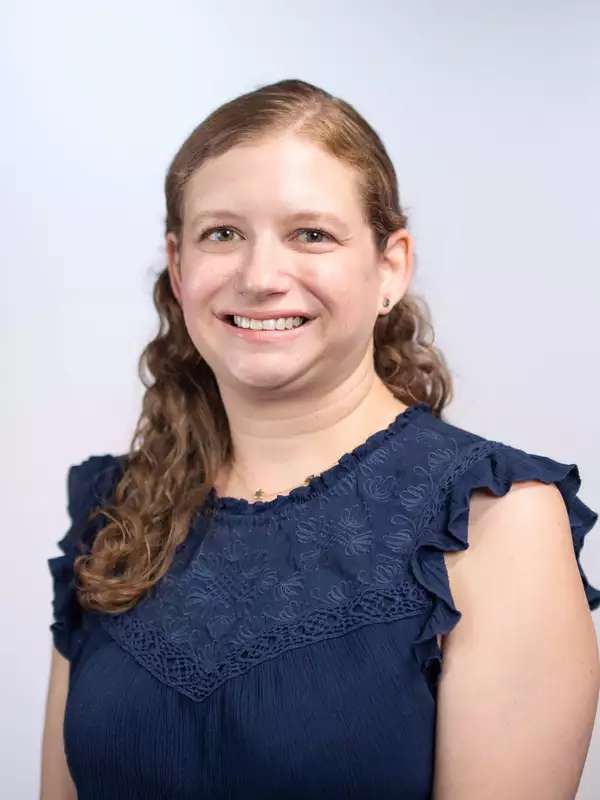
396,265
173,265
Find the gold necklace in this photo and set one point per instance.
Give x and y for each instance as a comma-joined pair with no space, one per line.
259,493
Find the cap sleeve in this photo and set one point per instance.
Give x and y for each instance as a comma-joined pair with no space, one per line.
89,484
497,469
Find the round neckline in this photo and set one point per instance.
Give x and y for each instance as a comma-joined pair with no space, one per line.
224,504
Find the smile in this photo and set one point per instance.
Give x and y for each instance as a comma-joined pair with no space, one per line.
249,334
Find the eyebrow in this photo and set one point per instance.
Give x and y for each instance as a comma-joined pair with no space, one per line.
308,215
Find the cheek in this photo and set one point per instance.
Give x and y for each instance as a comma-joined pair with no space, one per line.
349,298
196,307
198,291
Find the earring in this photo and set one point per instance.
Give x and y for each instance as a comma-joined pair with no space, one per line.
386,302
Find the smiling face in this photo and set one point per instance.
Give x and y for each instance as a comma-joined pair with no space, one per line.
263,241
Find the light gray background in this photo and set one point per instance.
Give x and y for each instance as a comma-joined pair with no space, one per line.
491,118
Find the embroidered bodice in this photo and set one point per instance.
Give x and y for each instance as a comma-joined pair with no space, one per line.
291,650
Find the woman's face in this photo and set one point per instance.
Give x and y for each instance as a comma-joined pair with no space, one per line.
250,245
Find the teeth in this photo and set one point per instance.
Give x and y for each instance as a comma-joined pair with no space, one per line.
280,324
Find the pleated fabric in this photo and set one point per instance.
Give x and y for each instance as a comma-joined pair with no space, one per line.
291,650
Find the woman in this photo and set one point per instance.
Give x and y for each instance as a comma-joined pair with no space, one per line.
256,600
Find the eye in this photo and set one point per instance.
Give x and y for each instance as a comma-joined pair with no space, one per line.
217,230
320,233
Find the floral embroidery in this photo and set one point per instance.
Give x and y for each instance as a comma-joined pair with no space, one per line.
317,563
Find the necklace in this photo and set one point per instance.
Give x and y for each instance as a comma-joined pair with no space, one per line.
260,493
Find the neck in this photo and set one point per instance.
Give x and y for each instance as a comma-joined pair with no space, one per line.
276,451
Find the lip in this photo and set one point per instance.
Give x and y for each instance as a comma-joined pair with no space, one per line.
264,314
250,335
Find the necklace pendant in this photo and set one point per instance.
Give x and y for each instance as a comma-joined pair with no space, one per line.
259,493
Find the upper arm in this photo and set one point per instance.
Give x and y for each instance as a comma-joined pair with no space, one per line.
56,781
89,483
518,691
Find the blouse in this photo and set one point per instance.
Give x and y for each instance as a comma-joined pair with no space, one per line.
291,650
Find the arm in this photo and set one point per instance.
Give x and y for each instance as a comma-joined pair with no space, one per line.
519,687
56,781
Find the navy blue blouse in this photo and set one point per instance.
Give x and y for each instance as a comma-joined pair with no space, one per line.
291,649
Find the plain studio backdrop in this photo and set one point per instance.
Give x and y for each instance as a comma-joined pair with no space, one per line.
491,117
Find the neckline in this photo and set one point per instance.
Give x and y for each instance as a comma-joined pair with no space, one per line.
224,504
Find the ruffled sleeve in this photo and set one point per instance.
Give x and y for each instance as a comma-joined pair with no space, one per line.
497,469
89,484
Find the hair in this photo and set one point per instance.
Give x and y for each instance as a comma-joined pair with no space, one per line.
182,437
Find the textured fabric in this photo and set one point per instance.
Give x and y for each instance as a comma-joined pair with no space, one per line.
291,649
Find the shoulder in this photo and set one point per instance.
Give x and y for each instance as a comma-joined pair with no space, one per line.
496,516
503,500
475,473
91,480
445,449
518,539
90,484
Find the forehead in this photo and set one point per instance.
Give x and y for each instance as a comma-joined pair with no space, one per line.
280,177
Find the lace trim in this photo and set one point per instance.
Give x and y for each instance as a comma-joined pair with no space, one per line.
197,675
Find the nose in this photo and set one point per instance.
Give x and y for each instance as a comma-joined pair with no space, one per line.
263,268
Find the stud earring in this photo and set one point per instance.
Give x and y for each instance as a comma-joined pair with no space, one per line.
386,302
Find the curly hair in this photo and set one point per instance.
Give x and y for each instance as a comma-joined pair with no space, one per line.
182,437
